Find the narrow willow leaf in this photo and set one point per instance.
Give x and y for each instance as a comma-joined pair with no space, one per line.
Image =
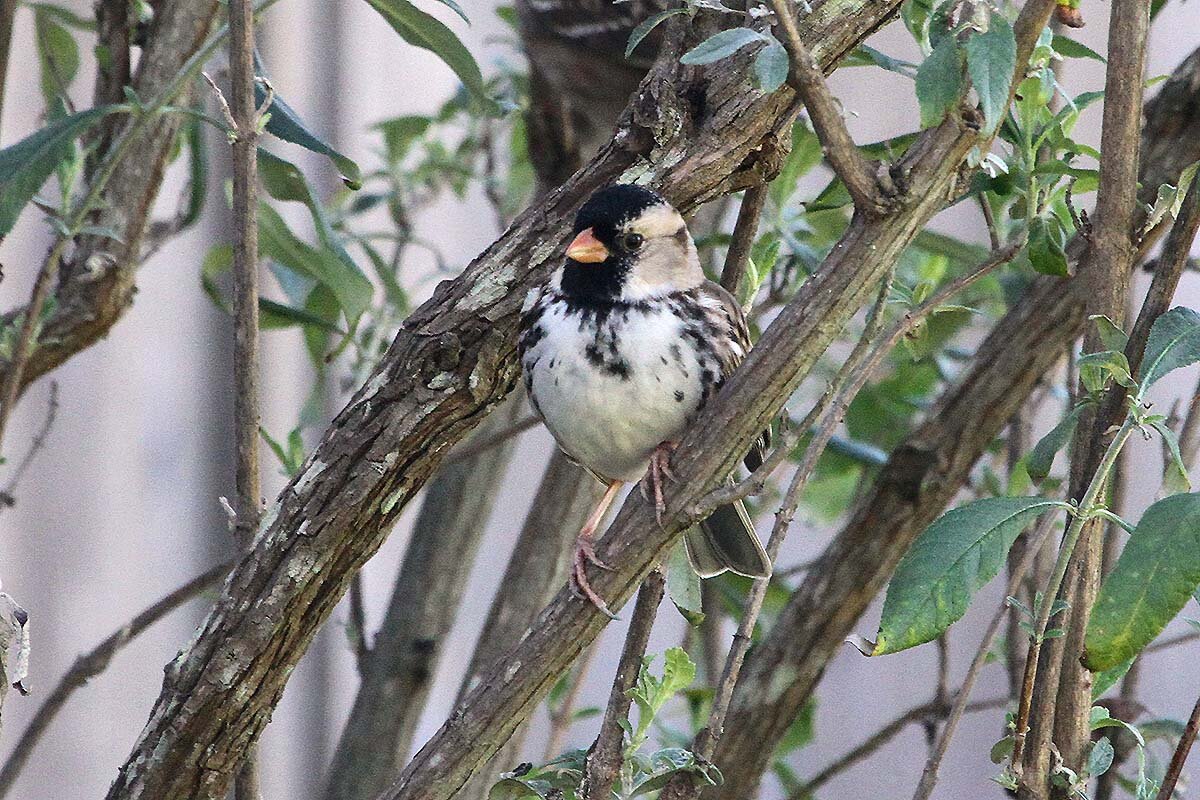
1151,582
683,585
721,45
276,241
991,62
1096,368
1066,46
865,56
771,66
58,54
285,123
457,9
649,24
1175,476
284,181
939,82
947,564
1041,458
427,32
1174,342
26,165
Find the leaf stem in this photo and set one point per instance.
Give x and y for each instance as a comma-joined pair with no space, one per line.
1086,510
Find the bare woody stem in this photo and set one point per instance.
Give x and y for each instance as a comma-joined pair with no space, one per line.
604,760
807,80
1167,790
744,231
1086,506
246,413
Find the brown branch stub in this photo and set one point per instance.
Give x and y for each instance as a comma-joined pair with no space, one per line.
744,231
808,81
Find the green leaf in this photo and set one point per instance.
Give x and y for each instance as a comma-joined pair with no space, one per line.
1045,248
649,24
1096,368
683,585
866,56
276,241
24,166
422,30
1100,758
991,62
1106,679
457,9
1175,477
1174,342
721,45
1110,333
321,304
399,134
58,54
1041,458
1152,580
285,123
771,66
1066,46
939,82
284,181
678,672
949,562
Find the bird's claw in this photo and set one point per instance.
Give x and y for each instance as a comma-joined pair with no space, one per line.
585,553
660,468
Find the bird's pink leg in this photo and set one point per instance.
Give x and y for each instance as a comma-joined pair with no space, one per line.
660,469
585,550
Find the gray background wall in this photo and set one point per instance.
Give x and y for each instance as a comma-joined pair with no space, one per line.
121,505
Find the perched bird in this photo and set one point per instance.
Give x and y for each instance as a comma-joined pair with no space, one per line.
620,349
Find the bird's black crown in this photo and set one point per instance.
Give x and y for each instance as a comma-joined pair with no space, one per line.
610,207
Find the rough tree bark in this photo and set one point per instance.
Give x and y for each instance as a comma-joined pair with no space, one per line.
692,134
926,472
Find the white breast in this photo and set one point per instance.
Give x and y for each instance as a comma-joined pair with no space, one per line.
612,390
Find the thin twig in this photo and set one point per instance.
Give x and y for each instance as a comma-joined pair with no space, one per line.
926,711
930,774
604,759
744,231
706,740
247,416
92,664
989,219
8,494
474,448
1180,755
806,78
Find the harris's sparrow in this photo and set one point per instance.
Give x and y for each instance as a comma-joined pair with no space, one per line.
621,349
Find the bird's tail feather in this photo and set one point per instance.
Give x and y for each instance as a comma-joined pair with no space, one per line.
727,541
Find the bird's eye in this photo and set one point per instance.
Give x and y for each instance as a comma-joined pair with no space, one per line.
632,241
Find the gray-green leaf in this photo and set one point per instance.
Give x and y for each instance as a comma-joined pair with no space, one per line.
24,166
683,585
721,45
427,32
285,123
1151,582
939,82
947,564
1041,458
771,66
1174,342
649,24
1175,477
991,62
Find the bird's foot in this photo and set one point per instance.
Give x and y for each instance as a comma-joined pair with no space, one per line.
585,553
659,472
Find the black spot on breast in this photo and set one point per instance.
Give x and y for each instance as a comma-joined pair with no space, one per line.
676,353
620,368
663,359
592,353
530,337
679,396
